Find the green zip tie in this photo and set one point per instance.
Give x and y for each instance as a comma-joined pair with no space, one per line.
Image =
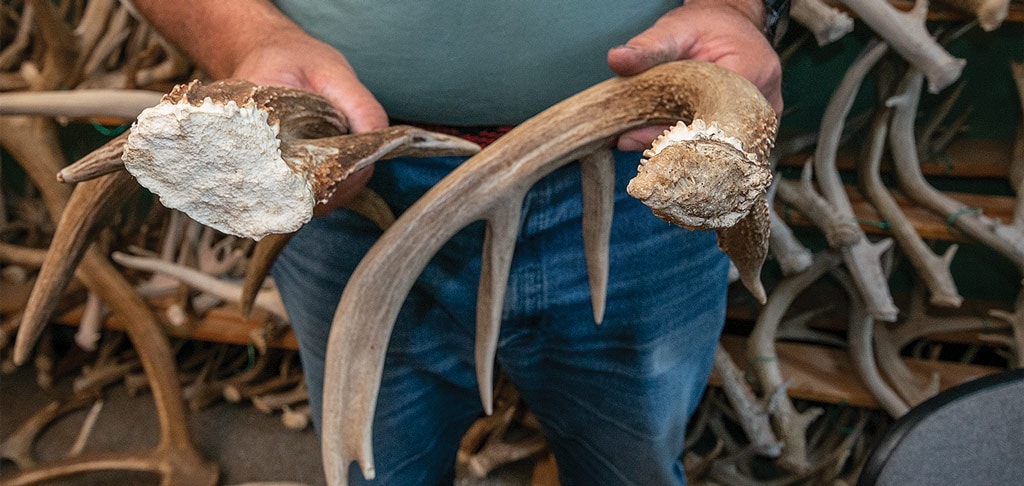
964,210
251,349
110,132
883,224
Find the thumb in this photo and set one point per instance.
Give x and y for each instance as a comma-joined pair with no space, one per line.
656,45
364,112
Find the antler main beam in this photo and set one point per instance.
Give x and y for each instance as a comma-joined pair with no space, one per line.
487,186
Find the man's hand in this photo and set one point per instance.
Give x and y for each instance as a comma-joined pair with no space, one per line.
300,61
726,32
296,60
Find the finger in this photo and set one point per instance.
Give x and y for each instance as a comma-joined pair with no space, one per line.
777,104
345,192
656,45
640,139
351,98
628,60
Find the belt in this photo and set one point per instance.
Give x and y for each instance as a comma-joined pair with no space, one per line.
482,136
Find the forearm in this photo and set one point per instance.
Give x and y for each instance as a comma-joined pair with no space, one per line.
217,34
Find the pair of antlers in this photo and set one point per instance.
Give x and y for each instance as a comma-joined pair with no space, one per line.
712,174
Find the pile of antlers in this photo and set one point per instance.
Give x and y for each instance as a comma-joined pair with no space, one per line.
53,52
774,428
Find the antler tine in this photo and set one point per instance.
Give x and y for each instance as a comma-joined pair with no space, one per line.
91,205
499,245
369,204
482,188
263,256
269,301
749,258
117,103
368,308
103,160
598,179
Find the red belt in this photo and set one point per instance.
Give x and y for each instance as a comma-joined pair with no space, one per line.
482,136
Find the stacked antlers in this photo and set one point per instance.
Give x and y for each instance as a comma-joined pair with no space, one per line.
304,148
55,46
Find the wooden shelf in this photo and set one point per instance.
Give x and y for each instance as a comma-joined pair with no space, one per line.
967,158
929,225
963,159
827,375
940,11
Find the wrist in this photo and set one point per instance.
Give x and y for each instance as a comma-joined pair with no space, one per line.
768,16
752,10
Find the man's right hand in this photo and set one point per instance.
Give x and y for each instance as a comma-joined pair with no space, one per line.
300,61
296,60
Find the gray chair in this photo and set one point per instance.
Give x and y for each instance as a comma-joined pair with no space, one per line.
971,434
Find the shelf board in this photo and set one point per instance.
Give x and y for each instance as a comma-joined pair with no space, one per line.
929,225
940,12
967,158
827,375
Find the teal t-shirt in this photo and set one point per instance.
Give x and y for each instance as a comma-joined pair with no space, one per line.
475,62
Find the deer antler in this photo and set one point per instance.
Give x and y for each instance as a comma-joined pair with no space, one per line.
907,34
290,114
266,172
861,255
827,23
491,186
934,270
988,231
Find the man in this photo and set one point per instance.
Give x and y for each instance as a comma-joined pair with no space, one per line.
613,399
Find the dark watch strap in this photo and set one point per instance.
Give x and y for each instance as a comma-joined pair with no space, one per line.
776,18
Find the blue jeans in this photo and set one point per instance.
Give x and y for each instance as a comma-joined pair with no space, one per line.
613,399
